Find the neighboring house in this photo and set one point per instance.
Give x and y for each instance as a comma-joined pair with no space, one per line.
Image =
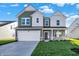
34,26
7,29
73,30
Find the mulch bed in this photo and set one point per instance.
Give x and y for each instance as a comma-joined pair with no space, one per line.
75,50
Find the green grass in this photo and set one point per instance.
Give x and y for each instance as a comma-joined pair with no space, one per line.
54,48
6,41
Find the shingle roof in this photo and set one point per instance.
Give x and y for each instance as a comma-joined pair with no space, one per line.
27,13
2,23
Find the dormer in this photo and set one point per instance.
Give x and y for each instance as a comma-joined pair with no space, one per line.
59,14
58,19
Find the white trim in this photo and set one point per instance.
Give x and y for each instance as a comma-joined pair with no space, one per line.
46,22
27,35
25,19
58,22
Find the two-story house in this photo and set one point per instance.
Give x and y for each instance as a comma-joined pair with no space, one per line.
34,26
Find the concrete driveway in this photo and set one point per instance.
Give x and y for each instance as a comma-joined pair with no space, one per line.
18,48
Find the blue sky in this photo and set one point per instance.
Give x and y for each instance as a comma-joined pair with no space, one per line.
9,11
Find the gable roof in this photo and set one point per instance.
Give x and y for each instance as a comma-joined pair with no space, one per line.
31,10
2,23
27,13
38,12
28,8
58,13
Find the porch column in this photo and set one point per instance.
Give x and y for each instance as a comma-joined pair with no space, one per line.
51,34
41,35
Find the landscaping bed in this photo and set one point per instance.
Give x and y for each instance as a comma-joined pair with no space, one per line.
55,48
75,50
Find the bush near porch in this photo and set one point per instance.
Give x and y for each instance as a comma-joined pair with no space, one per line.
55,48
7,40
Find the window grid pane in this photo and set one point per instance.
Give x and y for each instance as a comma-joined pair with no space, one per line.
27,21
37,20
46,22
23,21
58,22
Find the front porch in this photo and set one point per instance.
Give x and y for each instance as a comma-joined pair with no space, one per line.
52,34
58,34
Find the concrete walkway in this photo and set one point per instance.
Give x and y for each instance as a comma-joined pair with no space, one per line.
18,48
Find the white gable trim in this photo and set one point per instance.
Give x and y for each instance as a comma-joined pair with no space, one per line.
37,11
60,14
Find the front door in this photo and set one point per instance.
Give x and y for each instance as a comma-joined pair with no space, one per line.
46,35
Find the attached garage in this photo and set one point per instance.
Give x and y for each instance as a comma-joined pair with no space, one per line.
28,35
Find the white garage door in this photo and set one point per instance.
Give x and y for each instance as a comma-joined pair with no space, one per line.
28,35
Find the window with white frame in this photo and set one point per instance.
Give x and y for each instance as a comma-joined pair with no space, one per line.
37,20
46,22
22,21
25,21
58,22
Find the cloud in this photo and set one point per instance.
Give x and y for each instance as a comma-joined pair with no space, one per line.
68,14
46,9
25,5
60,4
71,19
14,5
77,6
72,3
8,13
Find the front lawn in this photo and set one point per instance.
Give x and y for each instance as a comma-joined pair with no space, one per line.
74,41
55,48
6,41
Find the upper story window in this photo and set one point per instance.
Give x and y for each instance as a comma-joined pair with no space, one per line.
37,20
25,21
58,22
47,22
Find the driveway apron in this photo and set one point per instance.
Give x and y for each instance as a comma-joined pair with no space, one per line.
24,48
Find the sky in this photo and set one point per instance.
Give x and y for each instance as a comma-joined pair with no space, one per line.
9,11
